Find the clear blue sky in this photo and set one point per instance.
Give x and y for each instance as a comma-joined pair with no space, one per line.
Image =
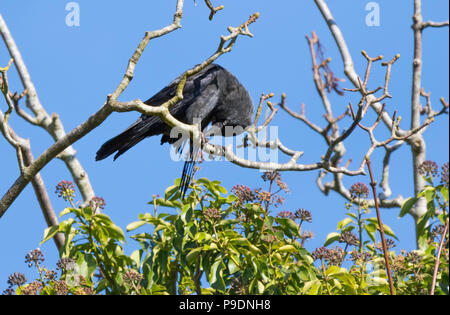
75,68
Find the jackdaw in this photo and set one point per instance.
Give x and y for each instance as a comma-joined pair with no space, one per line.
212,96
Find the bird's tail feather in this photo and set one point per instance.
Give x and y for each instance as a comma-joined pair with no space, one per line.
186,177
188,170
137,132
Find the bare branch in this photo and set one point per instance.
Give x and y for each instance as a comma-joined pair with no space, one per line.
434,24
348,61
213,9
301,116
438,258
413,137
381,229
262,99
384,183
428,110
52,124
23,147
337,185
4,128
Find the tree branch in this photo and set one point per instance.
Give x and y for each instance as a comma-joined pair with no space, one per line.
412,137
349,69
41,193
64,142
52,124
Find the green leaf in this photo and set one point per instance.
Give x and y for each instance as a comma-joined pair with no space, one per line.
371,229
344,223
389,231
331,238
212,246
202,236
287,248
334,270
116,232
230,199
136,257
65,212
216,277
422,223
193,254
87,213
240,241
407,205
165,203
253,283
260,287
255,250
222,190
49,233
288,225
232,265
444,193
186,214
101,217
171,191
86,265
312,287
429,193
135,225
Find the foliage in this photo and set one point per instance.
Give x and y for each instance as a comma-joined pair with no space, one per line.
215,242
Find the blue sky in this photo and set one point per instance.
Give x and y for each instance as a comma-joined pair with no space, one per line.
74,68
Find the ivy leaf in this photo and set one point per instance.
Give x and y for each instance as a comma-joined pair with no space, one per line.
312,287
135,225
407,205
170,191
371,229
444,193
49,233
216,277
342,224
193,254
136,257
232,265
287,248
86,265
331,238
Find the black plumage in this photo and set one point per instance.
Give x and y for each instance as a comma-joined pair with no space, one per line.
212,96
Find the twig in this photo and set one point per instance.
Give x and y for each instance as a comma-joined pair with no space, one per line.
381,229
435,24
213,9
4,127
438,258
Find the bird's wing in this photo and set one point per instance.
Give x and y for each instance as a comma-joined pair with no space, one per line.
200,95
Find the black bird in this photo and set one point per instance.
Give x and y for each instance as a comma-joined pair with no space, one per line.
213,96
